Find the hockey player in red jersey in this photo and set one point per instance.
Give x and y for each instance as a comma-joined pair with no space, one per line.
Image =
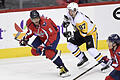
47,38
114,48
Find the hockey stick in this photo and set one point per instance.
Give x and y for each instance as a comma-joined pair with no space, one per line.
17,35
27,44
66,31
87,71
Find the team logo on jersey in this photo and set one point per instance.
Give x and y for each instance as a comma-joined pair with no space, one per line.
20,28
44,24
116,13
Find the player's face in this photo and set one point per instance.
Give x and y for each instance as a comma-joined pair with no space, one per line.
71,12
111,44
36,21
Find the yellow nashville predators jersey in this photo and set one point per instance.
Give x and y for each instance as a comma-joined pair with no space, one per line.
82,23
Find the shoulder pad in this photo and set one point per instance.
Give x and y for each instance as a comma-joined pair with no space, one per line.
28,21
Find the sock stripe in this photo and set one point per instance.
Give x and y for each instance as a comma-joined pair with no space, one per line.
97,55
99,58
77,53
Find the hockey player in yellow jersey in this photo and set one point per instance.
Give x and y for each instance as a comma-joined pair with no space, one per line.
85,31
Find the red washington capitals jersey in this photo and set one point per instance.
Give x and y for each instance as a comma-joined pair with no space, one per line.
116,57
47,30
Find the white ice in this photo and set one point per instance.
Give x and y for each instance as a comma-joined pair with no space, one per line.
40,68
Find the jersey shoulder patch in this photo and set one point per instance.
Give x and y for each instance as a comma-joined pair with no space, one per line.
28,22
44,24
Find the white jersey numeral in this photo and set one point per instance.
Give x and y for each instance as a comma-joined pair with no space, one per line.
50,30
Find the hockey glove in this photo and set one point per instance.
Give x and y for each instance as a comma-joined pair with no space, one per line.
23,42
67,34
65,24
66,18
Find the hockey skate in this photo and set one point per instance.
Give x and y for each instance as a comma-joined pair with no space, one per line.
106,63
64,72
83,62
105,69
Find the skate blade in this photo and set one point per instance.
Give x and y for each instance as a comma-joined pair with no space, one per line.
65,75
85,64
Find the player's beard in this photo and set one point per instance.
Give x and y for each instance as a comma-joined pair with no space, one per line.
37,23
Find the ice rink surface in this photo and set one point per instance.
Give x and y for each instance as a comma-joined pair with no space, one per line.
40,68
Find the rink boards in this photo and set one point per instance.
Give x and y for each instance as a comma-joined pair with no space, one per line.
106,17
26,51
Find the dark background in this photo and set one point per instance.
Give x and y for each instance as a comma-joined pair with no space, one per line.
18,4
